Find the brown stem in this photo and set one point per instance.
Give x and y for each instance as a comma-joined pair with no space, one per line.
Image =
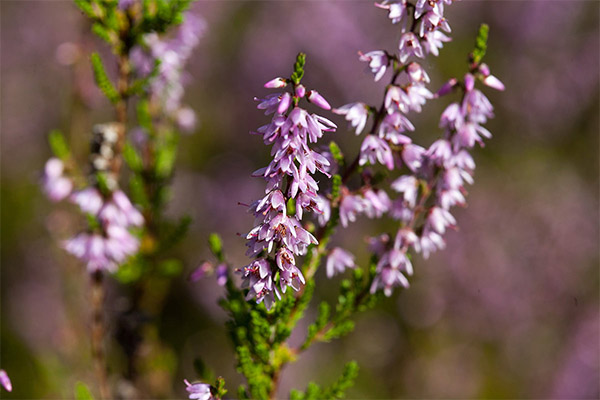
97,299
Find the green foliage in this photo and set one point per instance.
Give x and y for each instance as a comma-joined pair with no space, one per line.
291,206
143,114
132,158
480,43
220,390
59,145
318,326
336,183
165,156
103,183
159,15
336,152
138,191
102,80
82,392
170,267
336,391
131,271
103,33
215,243
298,68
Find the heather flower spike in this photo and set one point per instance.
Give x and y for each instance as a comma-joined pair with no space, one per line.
279,237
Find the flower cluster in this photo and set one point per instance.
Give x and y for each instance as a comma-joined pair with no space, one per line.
108,246
167,86
278,233
435,176
108,241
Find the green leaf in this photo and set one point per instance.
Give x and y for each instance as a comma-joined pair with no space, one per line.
132,158
82,392
102,80
298,68
58,144
130,272
336,152
220,388
481,43
171,267
103,33
216,246
166,155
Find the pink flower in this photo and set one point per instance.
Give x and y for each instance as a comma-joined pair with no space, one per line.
356,114
5,380
378,62
375,149
56,185
198,391
338,260
409,46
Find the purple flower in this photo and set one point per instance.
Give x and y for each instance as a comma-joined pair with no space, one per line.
434,41
315,98
276,83
338,260
119,211
397,9
5,380
375,149
378,62
103,252
222,274
201,271
350,206
356,114
198,391
409,46
412,155
389,272
56,185
408,185
376,203
89,200
257,276
440,152
186,119
416,73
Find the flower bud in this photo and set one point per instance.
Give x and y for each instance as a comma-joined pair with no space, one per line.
317,99
276,83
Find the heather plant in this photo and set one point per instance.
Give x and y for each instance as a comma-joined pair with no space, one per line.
312,191
128,235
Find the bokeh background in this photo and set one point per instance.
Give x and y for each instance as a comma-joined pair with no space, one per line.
508,310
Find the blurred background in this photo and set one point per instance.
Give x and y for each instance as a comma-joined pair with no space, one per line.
508,310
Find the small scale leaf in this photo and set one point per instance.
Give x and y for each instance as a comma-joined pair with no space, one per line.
82,392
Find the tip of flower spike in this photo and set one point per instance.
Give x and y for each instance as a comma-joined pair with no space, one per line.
276,83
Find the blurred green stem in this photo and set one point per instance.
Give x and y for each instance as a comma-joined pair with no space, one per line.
97,299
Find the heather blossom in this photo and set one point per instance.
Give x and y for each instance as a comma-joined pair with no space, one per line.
5,381
56,185
289,176
338,260
198,391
